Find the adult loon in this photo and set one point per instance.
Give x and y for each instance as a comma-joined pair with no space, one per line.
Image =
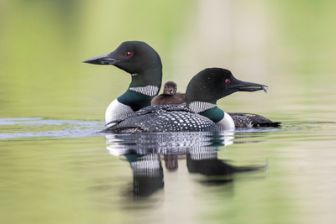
169,95
201,112
144,64
211,84
241,120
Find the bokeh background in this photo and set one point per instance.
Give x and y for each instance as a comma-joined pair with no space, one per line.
288,45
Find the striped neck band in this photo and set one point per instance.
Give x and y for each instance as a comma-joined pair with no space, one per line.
198,106
146,90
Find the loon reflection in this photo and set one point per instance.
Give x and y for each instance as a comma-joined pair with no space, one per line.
147,173
146,153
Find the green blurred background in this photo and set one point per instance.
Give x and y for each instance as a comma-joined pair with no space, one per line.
288,45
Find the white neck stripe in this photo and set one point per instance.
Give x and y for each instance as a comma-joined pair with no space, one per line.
198,106
146,90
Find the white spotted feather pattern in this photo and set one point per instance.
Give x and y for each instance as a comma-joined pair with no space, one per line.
164,118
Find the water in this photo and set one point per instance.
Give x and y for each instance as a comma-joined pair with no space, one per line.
67,170
56,167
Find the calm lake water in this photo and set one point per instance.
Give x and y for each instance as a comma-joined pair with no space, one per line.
63,171
55,166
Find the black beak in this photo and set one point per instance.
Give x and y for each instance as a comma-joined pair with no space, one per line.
102,60
238,85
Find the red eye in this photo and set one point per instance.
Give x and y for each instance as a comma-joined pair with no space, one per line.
227,81
129,54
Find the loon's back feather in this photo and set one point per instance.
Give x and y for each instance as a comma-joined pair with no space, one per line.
249,120
163,118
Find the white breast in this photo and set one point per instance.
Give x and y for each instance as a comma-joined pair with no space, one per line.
117,111
226,123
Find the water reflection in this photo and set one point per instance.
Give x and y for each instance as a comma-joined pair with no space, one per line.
150,155
147,173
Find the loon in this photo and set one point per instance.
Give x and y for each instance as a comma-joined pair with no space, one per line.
211,84
169,96
241,120
144,64
200,113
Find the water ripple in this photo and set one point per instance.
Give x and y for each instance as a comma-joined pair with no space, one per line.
16,128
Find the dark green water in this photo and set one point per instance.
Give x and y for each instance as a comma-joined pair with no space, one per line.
56,168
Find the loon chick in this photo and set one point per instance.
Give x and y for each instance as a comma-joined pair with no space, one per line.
144,64
211,84
169,95
201,113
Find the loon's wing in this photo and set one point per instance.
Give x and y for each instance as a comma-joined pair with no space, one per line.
163,118
248,120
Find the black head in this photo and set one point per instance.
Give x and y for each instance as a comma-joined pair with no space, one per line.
212,84
170,88
131,56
